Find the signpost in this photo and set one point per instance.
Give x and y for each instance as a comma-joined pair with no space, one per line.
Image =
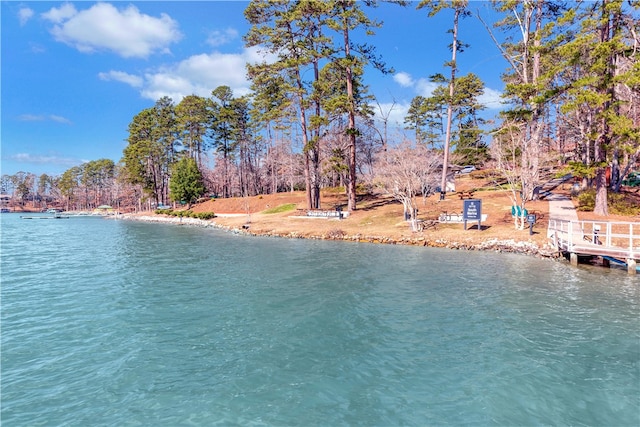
531,219
472,211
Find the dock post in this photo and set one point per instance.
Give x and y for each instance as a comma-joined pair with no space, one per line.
573,258
631,266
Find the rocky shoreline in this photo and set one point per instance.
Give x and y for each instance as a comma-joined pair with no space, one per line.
490,244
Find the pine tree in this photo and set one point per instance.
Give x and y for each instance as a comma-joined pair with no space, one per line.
459,11
186,184
600,72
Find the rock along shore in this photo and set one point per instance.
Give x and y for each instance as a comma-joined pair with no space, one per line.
490,244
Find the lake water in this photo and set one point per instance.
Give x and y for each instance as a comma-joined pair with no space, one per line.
121,323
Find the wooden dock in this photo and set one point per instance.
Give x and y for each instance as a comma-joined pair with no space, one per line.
619,241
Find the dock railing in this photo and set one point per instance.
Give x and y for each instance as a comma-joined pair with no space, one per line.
608,238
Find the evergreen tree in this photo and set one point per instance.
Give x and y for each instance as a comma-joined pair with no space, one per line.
145,157
459,11
186,184
603,54
416,118
292,32
192,121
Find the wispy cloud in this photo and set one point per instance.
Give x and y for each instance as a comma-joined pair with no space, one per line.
47,159
24,14
492,99
121,76
44,118
103,27
218,38
36,47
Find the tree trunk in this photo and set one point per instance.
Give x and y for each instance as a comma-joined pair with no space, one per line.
601,206
447,138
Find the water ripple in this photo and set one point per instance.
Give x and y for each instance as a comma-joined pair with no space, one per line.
119,323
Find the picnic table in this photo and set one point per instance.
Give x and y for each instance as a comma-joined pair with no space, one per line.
425,224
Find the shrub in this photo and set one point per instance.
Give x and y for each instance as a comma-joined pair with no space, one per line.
619,203
586,200
185,214
205,215
362,188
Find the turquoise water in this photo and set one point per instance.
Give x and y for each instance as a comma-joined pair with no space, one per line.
119,323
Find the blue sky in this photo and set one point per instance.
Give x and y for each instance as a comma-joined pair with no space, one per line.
74,74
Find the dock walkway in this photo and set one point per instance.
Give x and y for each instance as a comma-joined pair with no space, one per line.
618,241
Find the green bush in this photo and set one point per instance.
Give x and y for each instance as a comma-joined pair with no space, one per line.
619,204
205,215
586,200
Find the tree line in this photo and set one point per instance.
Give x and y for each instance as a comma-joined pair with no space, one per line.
571,99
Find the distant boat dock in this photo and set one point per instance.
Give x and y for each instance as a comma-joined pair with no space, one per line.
58,216
617,242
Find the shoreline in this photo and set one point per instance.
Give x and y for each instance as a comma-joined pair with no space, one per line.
491,244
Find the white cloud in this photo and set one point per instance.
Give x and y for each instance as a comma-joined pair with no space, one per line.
196,75
24,14
127,32
393,112
59,14
218,38
421,86
492,99
403,79
44,118
425,87
121,76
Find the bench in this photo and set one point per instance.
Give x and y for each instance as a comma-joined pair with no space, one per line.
508,216
465,195
426,224
317,213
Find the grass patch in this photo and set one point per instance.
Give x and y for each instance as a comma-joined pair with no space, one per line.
282,208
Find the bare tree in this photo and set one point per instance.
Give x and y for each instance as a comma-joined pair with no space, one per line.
406,172
519,163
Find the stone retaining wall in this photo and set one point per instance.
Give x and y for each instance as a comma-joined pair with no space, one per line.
495,245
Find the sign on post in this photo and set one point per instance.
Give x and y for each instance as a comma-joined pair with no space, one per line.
531,219
472,211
